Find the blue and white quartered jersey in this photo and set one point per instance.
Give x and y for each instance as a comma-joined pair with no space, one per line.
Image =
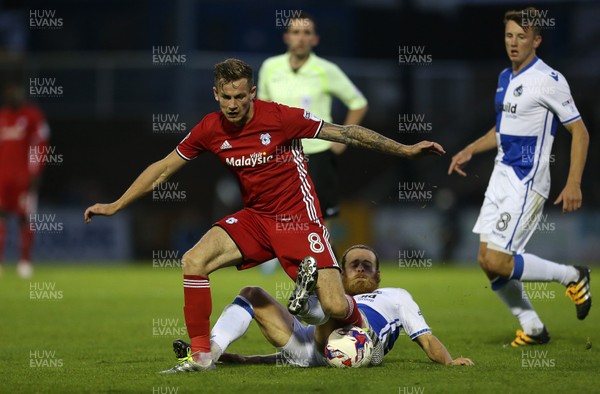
390,310
527,107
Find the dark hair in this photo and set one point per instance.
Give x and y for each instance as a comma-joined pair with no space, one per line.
231,70
365,247
527,18
304,16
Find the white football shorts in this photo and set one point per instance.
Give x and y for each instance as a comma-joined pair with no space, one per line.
510,212
301,350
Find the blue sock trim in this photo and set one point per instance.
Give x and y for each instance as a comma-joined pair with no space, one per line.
241,301
499,283
518,268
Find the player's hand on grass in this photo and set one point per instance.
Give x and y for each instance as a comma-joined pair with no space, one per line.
459,161
99,209
424,148
570,197
462,361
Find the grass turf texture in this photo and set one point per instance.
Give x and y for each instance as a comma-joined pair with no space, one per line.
111,329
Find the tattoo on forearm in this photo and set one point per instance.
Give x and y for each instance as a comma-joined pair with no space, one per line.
362,137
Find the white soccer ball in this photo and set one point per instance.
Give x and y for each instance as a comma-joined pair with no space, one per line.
348,347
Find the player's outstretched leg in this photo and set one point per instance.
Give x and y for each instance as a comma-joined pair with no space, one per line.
523,339
579,292
306,283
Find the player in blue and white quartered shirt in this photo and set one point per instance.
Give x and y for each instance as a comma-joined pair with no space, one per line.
386,311
529,106
531,99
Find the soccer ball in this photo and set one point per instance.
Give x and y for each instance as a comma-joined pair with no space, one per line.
348,347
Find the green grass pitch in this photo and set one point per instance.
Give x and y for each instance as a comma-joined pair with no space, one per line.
108,329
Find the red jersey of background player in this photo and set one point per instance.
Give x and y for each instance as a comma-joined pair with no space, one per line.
23,141
265,155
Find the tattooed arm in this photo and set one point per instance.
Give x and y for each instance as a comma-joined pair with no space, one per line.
362,137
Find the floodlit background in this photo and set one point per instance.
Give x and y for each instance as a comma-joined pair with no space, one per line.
120,108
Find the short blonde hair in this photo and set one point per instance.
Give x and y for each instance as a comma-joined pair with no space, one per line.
231,70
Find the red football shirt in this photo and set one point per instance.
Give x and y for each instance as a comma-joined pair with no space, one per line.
265,155
23,140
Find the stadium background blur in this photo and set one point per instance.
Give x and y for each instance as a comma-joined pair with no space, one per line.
120,109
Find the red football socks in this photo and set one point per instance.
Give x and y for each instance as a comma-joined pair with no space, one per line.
197,310
353,316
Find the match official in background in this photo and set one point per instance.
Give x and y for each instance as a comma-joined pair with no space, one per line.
299,78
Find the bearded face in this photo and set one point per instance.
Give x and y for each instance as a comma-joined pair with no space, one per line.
360,284
360,274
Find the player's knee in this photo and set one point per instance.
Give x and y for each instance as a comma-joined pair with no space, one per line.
192,264
495,265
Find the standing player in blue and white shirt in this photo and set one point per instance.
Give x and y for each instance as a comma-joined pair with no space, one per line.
531,99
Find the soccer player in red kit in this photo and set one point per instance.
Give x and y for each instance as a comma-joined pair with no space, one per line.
23,136
260,143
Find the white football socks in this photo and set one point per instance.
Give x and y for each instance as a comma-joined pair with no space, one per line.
537,269
516,299
232,324
312,312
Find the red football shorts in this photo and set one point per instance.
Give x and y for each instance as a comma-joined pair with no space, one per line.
290,238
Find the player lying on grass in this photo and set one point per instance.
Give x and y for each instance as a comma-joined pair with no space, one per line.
386,311
259,142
